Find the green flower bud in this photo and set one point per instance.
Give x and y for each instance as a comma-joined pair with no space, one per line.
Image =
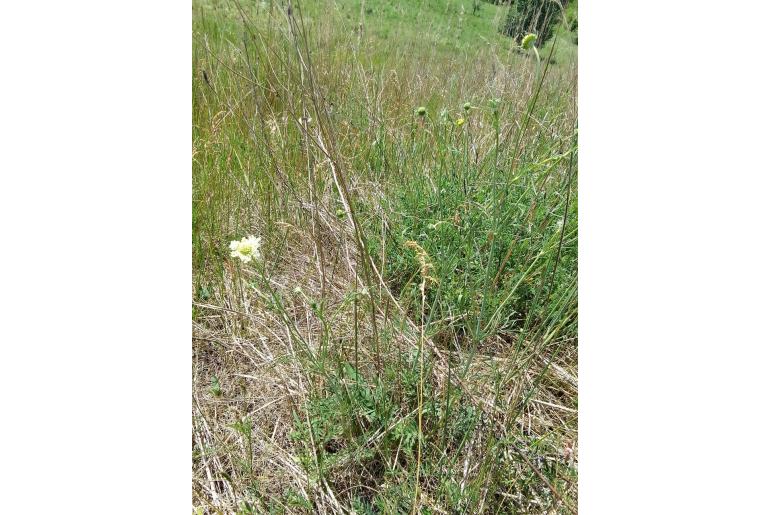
528,40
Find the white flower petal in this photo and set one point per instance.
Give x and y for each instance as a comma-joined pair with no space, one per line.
246,249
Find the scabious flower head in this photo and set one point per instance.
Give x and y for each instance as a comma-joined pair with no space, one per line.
421,111
246,249
460,122
467,106
528,40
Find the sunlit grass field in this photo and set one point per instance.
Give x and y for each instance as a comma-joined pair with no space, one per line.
405,339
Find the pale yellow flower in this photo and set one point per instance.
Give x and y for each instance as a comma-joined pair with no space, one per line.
460,122
246,249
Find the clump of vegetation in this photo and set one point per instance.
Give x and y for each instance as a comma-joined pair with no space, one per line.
494,235
366,432
532,16
384,262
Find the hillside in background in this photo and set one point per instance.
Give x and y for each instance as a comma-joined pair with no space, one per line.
444,26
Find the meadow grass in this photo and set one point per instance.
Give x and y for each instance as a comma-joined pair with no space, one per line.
407,342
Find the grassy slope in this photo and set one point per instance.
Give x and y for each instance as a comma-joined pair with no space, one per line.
311,391
448,24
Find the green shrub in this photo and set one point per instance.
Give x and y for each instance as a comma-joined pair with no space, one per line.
537,16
